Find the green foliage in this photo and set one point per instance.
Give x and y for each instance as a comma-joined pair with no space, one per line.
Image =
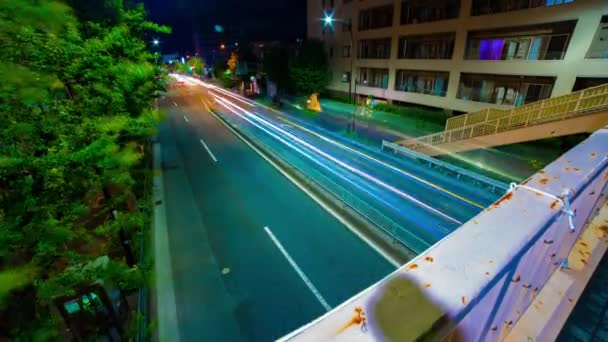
309,69
77,93
197,64
276,66
422,114
219,68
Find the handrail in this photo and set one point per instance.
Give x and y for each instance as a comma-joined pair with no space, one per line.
479,281
490,114
458,170
493,120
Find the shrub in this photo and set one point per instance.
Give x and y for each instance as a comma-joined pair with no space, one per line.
435,116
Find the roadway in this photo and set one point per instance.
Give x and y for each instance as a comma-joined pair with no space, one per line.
253,256
424,203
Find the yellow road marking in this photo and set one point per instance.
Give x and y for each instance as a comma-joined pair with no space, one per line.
433,185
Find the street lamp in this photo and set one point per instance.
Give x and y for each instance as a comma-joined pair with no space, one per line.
155,42
328,20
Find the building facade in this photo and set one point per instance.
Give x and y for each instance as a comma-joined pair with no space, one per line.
463,55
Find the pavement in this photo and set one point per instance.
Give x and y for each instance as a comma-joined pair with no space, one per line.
252,256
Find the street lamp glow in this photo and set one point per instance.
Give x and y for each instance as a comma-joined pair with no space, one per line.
328,19
155,42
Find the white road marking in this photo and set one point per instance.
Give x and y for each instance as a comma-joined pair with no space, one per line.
209,151
186,119
302,187
175,103
297,268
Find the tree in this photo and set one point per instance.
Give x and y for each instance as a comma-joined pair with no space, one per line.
219,68
276,66
309,71
232,62
197,65
76,108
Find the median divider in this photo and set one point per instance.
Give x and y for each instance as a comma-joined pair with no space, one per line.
338,201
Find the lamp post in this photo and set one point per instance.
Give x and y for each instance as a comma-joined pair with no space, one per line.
328,20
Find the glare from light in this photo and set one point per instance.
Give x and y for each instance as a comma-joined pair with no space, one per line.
155,42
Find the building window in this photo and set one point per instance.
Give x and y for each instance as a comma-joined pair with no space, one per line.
375,48
435,46
345,77
346,51
482,7
599,45
422,82
376,17
538,42
588,82
373,77
422,11
508,90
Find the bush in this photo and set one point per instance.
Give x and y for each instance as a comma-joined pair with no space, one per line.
435,116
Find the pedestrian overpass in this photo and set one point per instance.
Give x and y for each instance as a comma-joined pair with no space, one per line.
583,111
514,272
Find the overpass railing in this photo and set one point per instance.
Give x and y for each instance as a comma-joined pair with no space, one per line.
495,120
476,283
458,171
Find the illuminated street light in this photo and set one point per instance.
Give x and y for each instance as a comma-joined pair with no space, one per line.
223,46
155,42
328,20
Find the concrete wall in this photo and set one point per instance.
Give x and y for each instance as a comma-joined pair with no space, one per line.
587,12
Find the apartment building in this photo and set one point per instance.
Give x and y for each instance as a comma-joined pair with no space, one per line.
463,55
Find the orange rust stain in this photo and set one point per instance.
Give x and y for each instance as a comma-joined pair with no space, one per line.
487,273
428,259
605,177
576,169
463,299
494,328
554,204
544,181
503,199
541,172
526,182
584,261
427,286
517,278
570,300
358,319
412,266
566,169
581,253
593,155
583,243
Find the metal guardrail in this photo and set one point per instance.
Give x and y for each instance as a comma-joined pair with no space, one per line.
494,120
479,281
393,229
494,184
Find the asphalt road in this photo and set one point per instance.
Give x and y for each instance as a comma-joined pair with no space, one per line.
253,256
423,203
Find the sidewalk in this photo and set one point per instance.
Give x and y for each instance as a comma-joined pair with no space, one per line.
369,123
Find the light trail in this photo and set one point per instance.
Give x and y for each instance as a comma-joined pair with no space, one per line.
331,141
421,180
433,231
345,165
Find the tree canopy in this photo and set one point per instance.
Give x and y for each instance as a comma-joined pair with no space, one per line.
309,70
76,103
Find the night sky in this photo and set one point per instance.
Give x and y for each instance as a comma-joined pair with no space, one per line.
243,21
